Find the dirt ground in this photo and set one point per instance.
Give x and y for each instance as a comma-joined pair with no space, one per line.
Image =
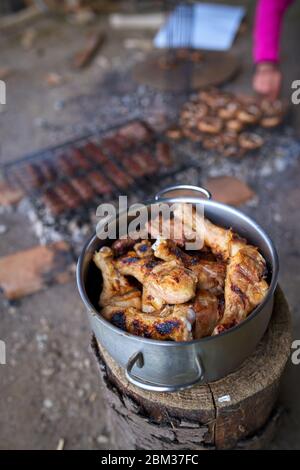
49,388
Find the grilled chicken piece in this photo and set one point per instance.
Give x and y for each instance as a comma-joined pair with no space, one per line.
204,311
168,250
173,322
223,242
164,282
173,282
140,268
167,324
245,286
116,289
155,230
122,245
143,249
210,274
208,309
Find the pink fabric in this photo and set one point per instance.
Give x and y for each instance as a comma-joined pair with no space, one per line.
268,19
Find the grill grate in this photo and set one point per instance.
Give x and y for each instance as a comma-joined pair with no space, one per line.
65,184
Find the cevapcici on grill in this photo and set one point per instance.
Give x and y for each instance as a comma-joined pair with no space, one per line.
213,112
70,177
213,294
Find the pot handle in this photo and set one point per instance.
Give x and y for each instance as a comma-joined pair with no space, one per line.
179,187
138,359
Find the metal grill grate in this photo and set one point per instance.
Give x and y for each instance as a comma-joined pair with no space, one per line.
65,184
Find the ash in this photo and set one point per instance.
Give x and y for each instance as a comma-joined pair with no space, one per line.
280,151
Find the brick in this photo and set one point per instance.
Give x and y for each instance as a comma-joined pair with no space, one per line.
229,190
29,271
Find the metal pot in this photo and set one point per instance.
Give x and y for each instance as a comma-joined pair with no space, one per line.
172,366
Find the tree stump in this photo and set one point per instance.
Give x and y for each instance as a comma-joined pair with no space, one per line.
237,412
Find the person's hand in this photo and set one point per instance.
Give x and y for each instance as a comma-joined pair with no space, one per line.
267,80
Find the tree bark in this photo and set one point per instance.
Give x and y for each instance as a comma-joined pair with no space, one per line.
237,412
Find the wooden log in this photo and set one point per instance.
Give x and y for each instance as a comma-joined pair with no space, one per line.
239,411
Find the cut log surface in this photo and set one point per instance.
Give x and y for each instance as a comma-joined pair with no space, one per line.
239,411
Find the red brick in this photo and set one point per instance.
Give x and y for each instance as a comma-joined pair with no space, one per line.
29,271
229,190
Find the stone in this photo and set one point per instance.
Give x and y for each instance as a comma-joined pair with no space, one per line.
229,190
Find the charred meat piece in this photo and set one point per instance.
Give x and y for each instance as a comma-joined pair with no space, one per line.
163,154
136,132
95,153
119,177
47,170
99,183
132,265
157,226
223,242
121,246
210,274
111,146
83,186
139,164
216,238
250,140
79,159
163,282
146,161
30,176
68,195
143,249
134,167
249,114
208,309
116,290
19,176
53,202
65,165
165,325
245,286
123,141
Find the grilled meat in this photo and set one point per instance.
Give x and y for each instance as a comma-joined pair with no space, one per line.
212,290
245,286
167,324
143,249
164,282
210,274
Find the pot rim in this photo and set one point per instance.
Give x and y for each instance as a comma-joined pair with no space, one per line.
207,202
